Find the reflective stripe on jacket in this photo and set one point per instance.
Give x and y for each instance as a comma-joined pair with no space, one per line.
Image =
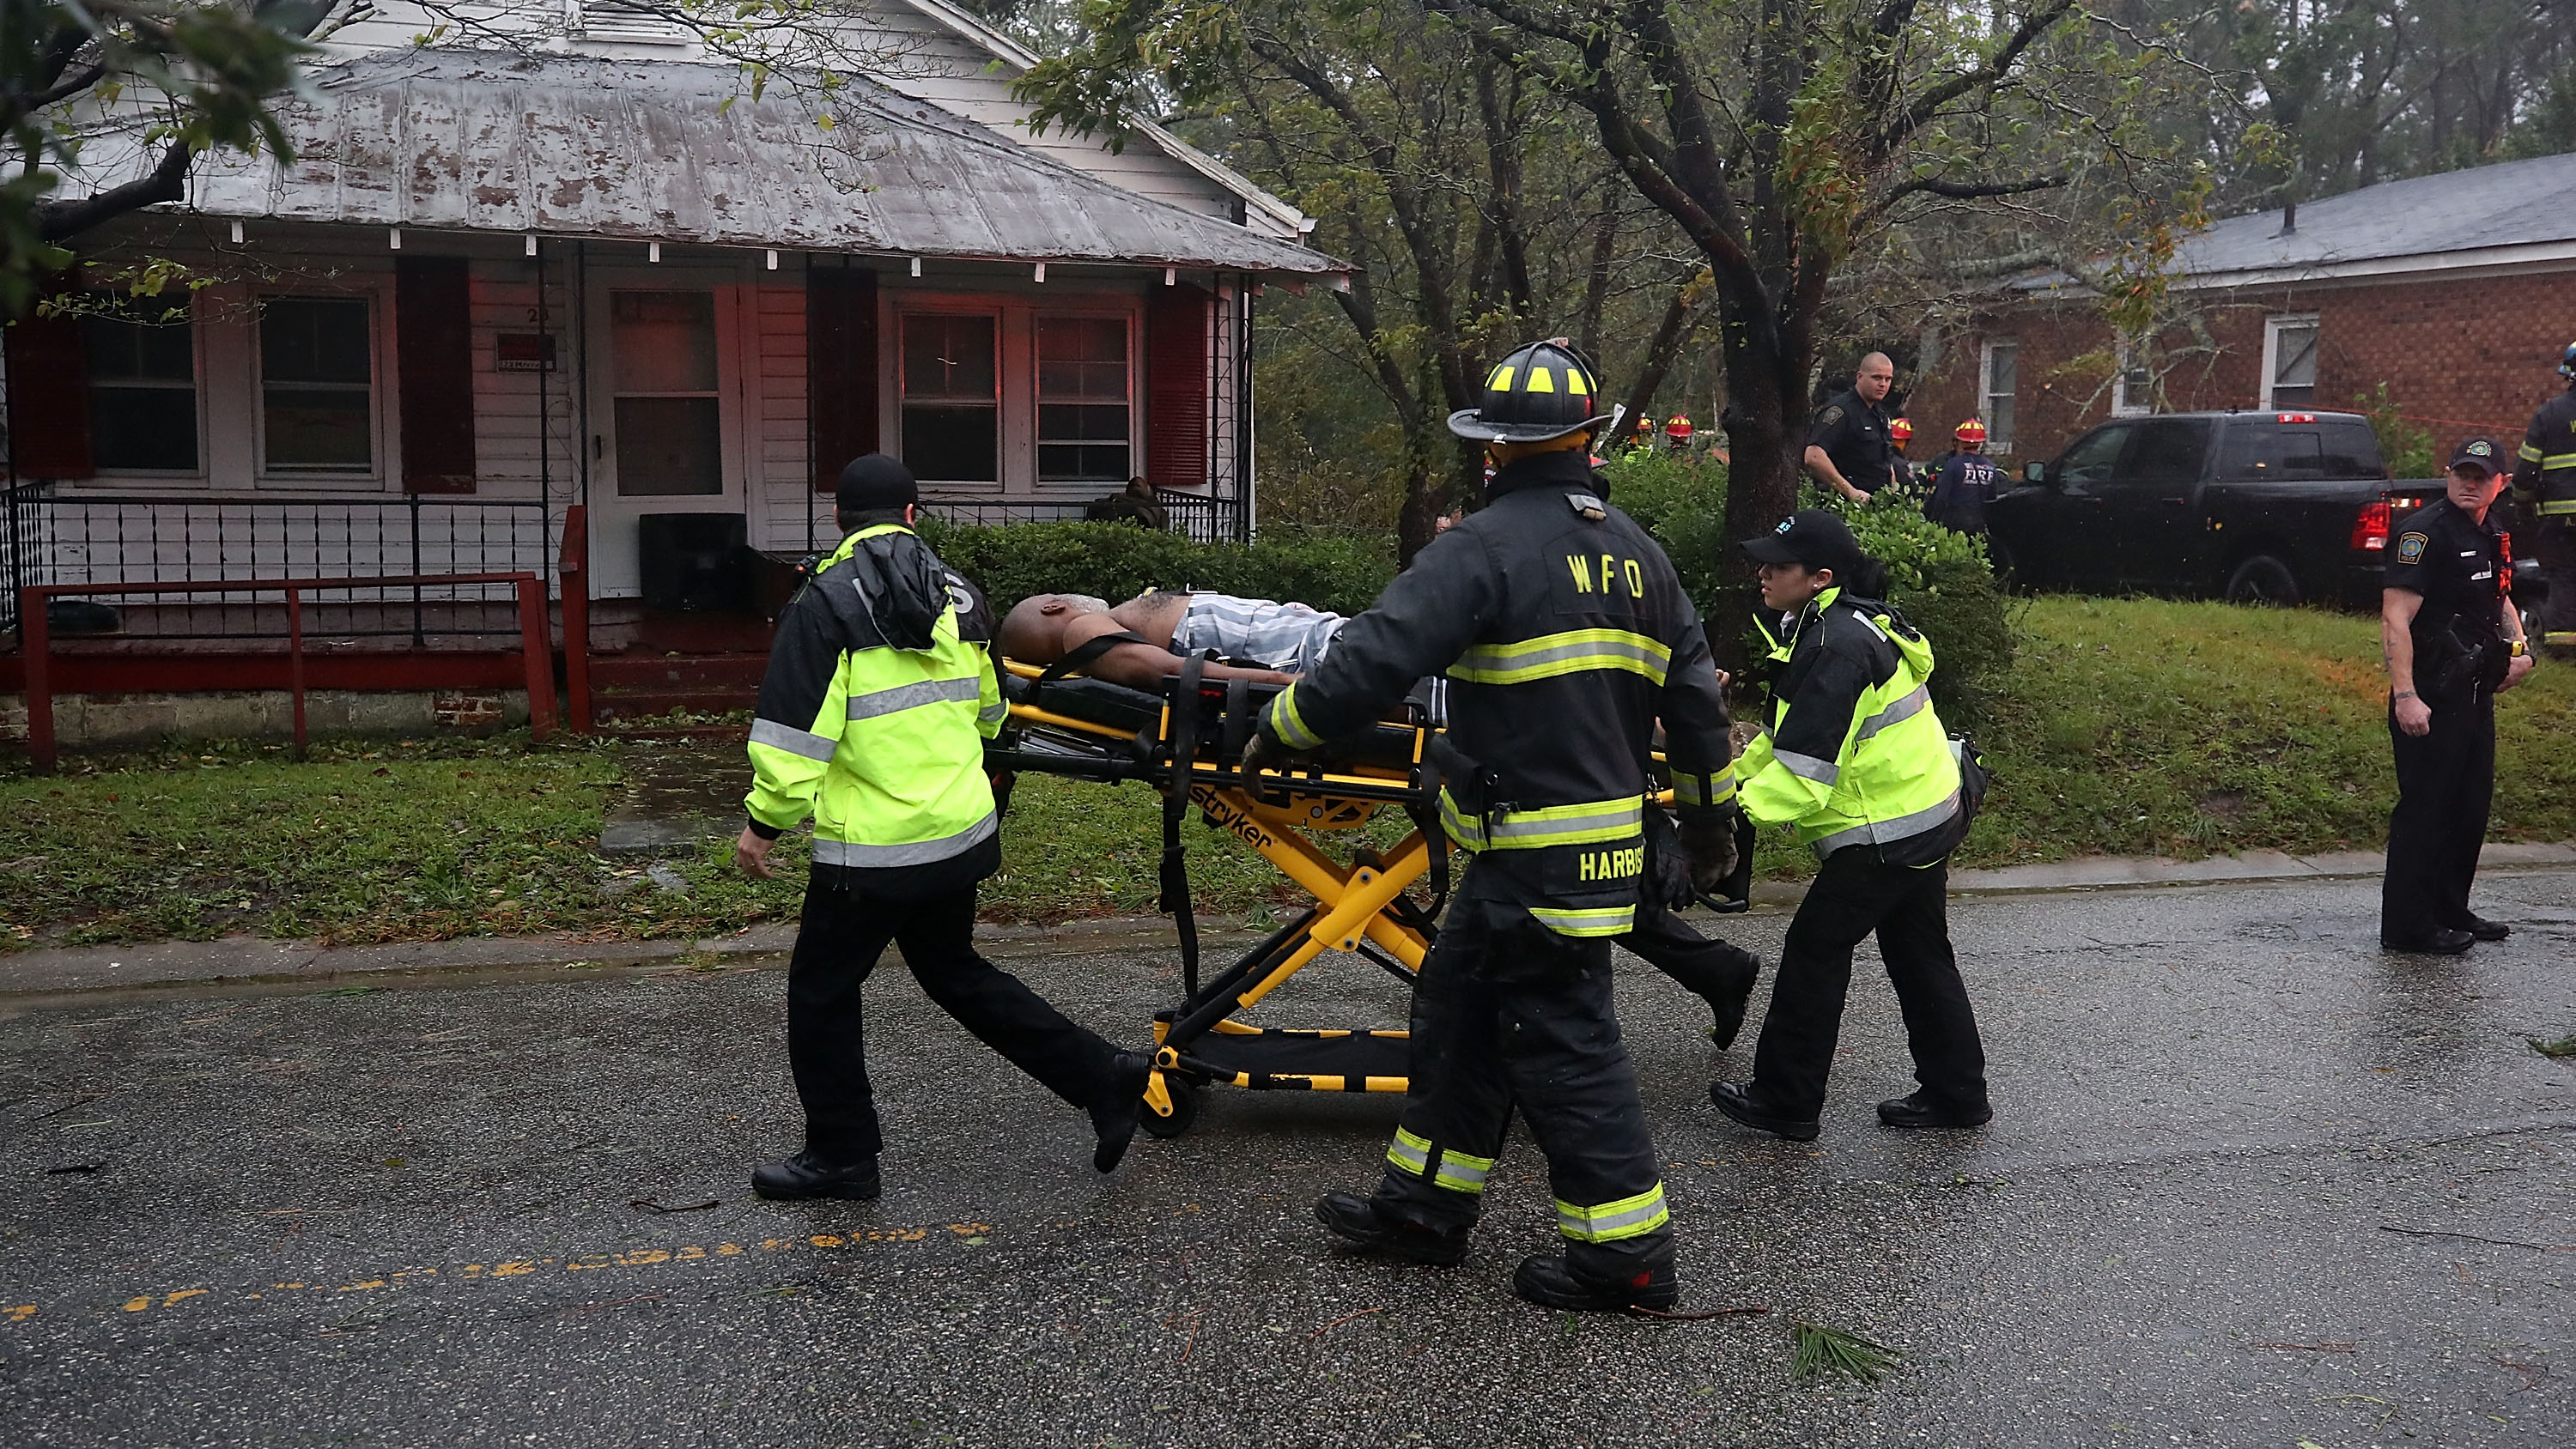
1855,754
882,744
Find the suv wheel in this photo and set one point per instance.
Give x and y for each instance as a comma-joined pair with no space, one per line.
2263,580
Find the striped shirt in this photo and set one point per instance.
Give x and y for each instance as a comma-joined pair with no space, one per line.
1291,638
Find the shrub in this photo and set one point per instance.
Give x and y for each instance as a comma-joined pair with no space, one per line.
1117,561
1681,500
1942,582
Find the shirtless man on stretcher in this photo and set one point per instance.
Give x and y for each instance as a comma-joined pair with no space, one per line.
1157,631
1271,643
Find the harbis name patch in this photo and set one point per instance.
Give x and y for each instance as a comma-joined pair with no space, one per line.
2410,547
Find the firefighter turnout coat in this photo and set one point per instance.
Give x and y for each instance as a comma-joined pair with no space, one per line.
873,716
2544,475
1565,635
1855,755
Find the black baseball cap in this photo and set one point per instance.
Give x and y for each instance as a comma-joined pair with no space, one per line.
1814,537
875,481
2481,454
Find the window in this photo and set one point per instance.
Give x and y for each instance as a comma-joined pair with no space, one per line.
2133,387
1996,373
2167,453
2289,361
670,424
317,385
143,391
631,22
951,398
2328,448
2094,455
1082,400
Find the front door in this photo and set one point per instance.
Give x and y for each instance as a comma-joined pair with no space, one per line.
665,430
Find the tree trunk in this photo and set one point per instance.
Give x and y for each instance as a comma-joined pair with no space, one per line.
1766,431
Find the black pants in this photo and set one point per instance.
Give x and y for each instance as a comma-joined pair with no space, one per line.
1705,967
2554,545
1507,1013
838,941
1853,895
2445,784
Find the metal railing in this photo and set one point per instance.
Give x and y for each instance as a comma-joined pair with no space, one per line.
1194,516
76,543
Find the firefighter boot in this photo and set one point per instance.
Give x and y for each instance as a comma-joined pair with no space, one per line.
1113,1119
809,1174
1357,1221
1550,1282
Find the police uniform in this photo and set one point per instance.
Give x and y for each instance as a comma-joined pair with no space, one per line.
2544,484
2446,776
872,719
1857,761
1565,636
1854,435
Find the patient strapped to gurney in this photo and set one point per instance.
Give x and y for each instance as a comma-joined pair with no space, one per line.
1151,633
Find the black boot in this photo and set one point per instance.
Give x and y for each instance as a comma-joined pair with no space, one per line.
2483,929
1922,1109
1113,1118
1551,1283
1726,1016
1740,1104
809,1174
2440,943
1356,1220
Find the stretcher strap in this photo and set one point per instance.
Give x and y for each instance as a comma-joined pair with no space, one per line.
1083,655
1175,900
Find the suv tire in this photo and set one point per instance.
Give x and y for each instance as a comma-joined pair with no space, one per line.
2264,579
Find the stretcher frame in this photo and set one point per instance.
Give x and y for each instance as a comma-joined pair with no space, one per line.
1359,901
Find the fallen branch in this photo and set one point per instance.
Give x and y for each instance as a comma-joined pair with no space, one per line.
1644,1312
652,1205
2474,1238
1194,1335
1338,1322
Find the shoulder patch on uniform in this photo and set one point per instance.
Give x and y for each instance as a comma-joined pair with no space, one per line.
1829,416
1590,507
2410,546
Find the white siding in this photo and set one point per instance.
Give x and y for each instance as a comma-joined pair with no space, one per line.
781,487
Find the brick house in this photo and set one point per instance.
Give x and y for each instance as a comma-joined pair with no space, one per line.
2456,292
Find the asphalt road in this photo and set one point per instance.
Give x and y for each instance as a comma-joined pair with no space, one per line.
2250,1183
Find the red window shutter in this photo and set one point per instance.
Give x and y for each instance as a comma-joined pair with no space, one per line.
840,368
1176,387
49,433
434,346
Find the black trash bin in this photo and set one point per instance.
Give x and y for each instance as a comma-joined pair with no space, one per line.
694,563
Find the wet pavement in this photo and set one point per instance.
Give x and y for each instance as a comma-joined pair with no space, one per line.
2250,1183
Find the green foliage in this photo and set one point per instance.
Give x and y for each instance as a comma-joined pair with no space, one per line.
1830,1350
2406,446
1680,498
1118,561
2563,1049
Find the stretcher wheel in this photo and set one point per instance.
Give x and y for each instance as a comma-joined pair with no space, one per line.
1185,1109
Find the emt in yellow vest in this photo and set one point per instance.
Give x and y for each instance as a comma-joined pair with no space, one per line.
872,720
1857,761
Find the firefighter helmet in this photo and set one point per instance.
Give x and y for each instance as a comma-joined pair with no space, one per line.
2567,361
1901,429
1544,391
1971,431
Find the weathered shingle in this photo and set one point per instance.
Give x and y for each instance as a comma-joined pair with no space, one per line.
2510,204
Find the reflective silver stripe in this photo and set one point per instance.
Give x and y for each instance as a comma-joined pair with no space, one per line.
1627,1218
1689,789
1462,1174
1807,767
793,740
919,852
1888,832
913,696
1483,663
1903,709
1546,824
1579,921
1410,1152
998,709
2557,507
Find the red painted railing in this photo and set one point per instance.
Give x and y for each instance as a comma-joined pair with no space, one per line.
36,633
572,570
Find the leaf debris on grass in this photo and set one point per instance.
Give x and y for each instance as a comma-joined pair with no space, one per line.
2559,1050
1830,1350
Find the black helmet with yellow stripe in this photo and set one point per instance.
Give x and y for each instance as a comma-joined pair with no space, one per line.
1546,390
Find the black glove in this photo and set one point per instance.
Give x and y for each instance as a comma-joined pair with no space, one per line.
1708,837
1261,752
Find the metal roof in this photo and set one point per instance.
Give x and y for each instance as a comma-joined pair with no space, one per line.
2504,210
569,145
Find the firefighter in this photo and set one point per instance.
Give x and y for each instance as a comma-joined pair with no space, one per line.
1857,760
2451,638
1565,636
2544,483
1900,435
1964,484
872,719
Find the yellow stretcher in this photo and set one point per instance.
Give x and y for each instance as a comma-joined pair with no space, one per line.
1187,743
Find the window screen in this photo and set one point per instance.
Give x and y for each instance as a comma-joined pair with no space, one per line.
317,385
143,392
670,418
951,406
1083,424
2294,364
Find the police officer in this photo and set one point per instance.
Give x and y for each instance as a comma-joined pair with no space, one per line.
2544,483
1857,760
1565,636
2452,638
1965,483
872,719
1848,449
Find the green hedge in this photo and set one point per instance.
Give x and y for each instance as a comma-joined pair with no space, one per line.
1118,561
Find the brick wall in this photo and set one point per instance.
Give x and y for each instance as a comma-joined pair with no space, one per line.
2463,356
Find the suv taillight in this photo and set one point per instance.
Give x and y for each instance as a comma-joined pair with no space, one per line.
2370,526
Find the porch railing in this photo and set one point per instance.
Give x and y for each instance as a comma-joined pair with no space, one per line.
1195,516
67,542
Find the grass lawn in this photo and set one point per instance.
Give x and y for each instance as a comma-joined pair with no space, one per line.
2128,726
